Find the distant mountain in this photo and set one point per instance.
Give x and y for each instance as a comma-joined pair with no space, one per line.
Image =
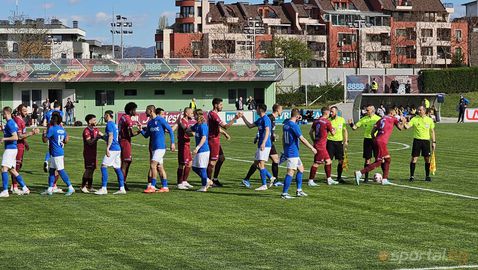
140,52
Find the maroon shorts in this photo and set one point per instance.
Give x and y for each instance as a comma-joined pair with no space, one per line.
382,149
322,154
215,149
20,153
125,150
90,164
184,153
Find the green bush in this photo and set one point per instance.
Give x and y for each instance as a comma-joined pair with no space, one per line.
328,94
451,80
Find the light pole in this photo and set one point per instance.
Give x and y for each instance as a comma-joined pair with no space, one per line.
359,25
120,26
253,27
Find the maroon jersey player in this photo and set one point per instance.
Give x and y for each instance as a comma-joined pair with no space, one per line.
184,148
318,133
216,126
381,133
91,135
125,133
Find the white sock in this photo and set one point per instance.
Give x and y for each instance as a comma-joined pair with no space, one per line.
50,189
122,189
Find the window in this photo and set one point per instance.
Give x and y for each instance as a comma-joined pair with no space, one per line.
427,51
223,46
159,45
26,97
426,33
231,96
159,92
408,52
458,35
347,57
104,97
188,92
374,38
15,47
63,56
188,28
374,56
346,39
130,92
36,97
458,53
443,34
408,33
443,52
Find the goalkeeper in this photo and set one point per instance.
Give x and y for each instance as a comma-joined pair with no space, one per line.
424,131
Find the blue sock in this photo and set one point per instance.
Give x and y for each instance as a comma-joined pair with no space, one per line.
64,176
119,174
287,182
104,177
20,181
268,174
51,178
153,182
264,176
47,156
164,183
5,180
298,178
199,172
203,177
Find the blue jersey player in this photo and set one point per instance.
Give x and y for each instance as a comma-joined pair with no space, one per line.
202,151
46,123
291,137
264,126
56,137
155,131
112,157
9,158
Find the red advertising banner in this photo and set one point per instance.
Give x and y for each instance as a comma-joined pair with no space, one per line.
129,70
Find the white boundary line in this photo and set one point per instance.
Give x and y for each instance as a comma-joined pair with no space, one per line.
443,267
437,191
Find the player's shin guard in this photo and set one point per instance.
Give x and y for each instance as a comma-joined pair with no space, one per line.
287,182
412,168
251,171
199,172
187,169
179,174
119,174
372,167
386,167
104,177
153,182
20,181
5,180
275,170
340,169
65,177
427,169
51,178
313,172
328,170
298,178
203,175
264,176
164,183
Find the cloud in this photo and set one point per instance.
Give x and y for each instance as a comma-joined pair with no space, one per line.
47,5
102,17
73,2
78,18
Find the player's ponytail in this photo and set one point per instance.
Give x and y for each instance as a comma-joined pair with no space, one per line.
199,116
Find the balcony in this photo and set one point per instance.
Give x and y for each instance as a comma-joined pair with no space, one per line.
185,3
184,18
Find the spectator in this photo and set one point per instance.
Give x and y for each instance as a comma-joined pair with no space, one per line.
381,110
251,104
239,104
69,112
192,104
374,86
45,107
408,87
462,105
34,115
426,103
394,85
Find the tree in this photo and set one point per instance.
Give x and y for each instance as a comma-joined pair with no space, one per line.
294,51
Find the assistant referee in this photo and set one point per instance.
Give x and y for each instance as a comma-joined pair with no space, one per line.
424,131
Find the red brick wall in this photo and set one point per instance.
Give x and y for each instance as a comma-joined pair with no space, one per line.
334,49
463,44
401,42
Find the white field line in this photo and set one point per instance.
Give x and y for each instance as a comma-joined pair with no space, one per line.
405,146
443,267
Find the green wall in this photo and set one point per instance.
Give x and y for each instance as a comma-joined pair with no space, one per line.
173,100
6,94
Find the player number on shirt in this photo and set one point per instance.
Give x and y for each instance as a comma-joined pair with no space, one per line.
61,138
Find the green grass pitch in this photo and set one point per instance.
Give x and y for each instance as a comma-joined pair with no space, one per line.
336,227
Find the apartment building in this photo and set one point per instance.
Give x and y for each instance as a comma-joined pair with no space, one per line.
341,33
472,18
42,39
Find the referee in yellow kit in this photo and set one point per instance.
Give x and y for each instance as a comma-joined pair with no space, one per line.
367,122
424,131
337,143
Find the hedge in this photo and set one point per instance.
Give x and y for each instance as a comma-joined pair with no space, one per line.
328,93
451,80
